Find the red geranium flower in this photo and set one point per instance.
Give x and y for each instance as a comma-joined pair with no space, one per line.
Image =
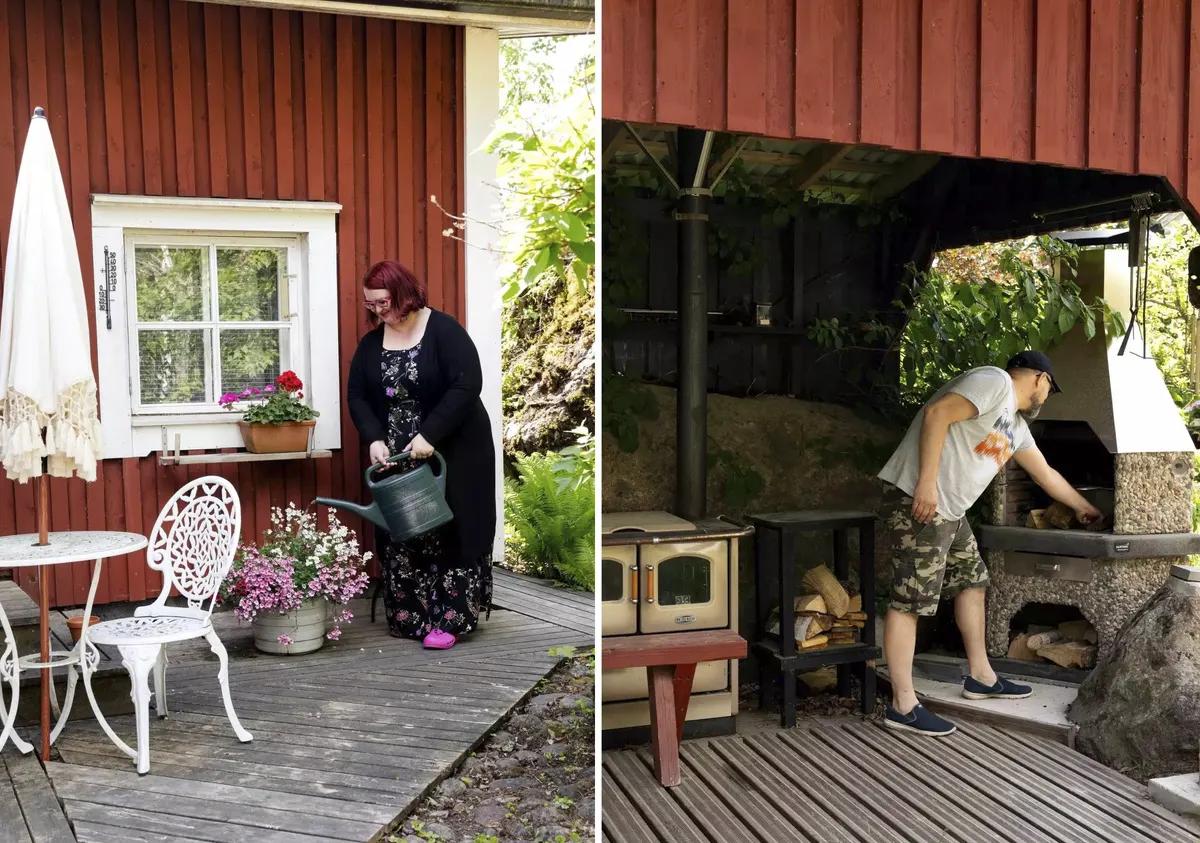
288,381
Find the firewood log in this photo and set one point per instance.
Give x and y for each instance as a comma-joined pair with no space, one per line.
821,580
1019,649
1061,516
1079,631
1070,654
1043,639
809,603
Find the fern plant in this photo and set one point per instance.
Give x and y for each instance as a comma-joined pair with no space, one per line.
553,517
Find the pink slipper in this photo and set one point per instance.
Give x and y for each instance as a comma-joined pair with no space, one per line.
438,640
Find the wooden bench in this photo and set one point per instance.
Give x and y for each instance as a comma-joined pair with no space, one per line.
670,660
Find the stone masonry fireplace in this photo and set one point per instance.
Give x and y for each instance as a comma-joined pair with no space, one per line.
1116,435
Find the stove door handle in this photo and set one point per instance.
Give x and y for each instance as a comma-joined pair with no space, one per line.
649,583
633,583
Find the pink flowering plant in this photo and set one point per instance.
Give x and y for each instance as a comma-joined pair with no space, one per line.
275,403
298,561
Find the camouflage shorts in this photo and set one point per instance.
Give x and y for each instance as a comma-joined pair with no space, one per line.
928,560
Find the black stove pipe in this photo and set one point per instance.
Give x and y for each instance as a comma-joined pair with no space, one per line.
691,419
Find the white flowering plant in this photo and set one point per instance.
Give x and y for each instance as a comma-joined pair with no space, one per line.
298,561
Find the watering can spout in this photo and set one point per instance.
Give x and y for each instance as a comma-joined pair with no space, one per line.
371,513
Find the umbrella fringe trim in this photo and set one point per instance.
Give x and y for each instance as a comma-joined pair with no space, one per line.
70,442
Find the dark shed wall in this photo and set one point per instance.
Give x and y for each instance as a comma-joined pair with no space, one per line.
1101,85
189,99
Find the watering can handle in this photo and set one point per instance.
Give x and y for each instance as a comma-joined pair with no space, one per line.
439,478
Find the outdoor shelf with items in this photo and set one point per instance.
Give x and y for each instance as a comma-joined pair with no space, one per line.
776,543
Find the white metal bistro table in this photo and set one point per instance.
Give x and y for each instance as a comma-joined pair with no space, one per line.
22,551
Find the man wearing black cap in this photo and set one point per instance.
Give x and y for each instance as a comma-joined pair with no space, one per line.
954,447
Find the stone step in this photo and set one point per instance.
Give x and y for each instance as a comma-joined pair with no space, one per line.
1043,715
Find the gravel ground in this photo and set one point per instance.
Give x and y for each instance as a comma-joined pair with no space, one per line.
533,779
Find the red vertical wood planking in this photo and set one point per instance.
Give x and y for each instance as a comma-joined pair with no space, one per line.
677,65
613,42
391,197
781,66
314,151
181,82
1060,107
891,73
284,145
1162,89
373,117
641,28
1192,180
711,62
435,100
1006,79
135,175
827,70
35,52
9,152
166,114
116,571
266,106
950,77
458,167
299,164
251,32
405,182
235,118
347,305
135,572
147,43
214,82
749,39
1112,77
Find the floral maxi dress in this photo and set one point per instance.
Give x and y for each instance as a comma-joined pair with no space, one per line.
424,590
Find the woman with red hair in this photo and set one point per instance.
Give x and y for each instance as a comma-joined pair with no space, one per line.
414,385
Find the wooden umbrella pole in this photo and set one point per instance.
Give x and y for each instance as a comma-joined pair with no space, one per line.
44,610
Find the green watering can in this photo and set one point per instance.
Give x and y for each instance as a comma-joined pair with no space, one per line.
406,504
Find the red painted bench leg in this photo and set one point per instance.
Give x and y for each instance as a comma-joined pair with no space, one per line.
664,735
684,673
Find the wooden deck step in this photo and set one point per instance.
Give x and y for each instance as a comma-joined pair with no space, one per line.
22,614
534,598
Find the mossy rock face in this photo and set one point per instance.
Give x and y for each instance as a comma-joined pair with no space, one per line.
809,456
549,374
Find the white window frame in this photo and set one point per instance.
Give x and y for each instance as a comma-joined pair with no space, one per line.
307,229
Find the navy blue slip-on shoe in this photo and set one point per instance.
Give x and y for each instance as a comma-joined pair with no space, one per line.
1002,690
918,720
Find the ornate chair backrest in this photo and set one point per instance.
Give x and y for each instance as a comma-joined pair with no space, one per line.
194,540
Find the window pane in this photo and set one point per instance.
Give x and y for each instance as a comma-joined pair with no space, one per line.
612,586
172,283
250,358
172,367
250,284
684,579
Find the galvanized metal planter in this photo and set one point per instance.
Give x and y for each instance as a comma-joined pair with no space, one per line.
305,626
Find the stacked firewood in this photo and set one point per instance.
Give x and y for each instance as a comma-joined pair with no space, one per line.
1071,644
828,615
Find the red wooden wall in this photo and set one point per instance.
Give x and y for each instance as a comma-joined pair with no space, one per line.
188,99
1098,84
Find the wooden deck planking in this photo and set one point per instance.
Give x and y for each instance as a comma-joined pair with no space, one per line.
573,610
43,820
852,780
332,758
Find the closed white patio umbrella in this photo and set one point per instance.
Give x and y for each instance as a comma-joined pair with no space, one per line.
48,419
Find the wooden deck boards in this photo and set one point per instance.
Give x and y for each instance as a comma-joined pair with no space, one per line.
854,781
345,739
527,596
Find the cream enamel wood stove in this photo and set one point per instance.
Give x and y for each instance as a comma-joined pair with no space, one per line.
659,574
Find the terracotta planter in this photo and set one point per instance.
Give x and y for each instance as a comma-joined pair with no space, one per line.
75,625
276,438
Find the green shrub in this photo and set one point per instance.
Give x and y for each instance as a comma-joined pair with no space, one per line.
550,511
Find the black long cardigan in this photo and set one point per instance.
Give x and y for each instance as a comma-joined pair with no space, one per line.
453,420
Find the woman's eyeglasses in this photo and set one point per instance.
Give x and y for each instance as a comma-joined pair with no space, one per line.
378,305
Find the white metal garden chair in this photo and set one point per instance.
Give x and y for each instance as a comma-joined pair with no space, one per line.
193,545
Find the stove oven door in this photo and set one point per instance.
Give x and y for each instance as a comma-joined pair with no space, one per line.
685,586
618,590
629,683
